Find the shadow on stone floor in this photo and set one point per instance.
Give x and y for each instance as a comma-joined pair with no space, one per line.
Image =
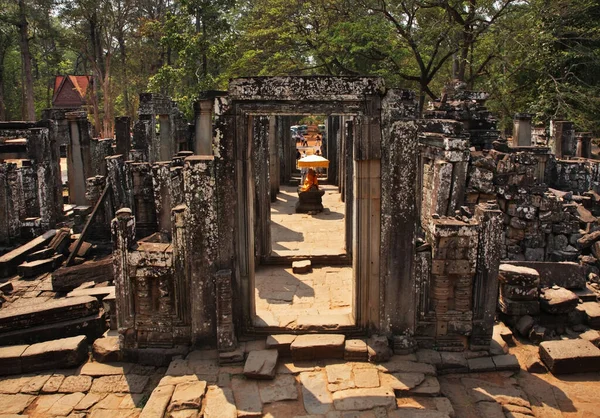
284,234
282,288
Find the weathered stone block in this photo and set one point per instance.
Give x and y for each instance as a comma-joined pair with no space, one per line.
302,267
66,279
518,308
10,359
63,353
378,348
519,292
518,276
281,342
570,356
107,349
355,350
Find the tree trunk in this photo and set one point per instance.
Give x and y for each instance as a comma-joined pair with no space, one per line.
107,117
2,106
121,40
96,76
23,25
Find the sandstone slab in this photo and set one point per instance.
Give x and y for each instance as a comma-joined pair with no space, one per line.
261,364
398,365
401,381
429,387
66,404
558,300
366,377
355,350
281,343
107,349
302,267
62,353
220,403
14,404
105,369
77,383
10,359
131,383
53,383
570,356
518,275
157,403
481,364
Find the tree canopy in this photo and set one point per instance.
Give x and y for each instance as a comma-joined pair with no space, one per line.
534,56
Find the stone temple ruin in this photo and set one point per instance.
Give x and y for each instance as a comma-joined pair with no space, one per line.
448,227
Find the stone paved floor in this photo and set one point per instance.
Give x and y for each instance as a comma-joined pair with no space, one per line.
294,234
197,386
299,301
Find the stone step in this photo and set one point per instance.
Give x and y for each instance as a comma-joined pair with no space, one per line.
317,346
570,356
55,354
50,312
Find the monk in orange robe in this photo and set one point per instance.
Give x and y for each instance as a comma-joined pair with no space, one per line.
310,181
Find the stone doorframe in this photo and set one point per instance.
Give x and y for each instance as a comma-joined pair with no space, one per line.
384,299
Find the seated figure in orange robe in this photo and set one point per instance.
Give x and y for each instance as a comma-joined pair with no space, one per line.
310,181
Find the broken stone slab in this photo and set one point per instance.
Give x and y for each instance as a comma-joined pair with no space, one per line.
98,292
518,275
592,336
281,343
537,334
10,359
301,267
588,239
11,260
247,397
103,369
92,326
378,348
355,350
66,279
158,402
453,362
49,312
558,300
398,365
187,396
570,356
261,364
429,356
429,387
63,353
131,383
317,346
107,349
34,268
364,399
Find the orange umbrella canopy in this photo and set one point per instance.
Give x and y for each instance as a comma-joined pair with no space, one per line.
313,161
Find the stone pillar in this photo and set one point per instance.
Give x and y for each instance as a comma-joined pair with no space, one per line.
141,143
273,159
562,138
522,130
122,193
78,157
398,211
203,111
166,141
45,154
144,206
29,186
181,275
9,214
584,145
202,244
161,180
123,135
287,149
262,192
485,285
123,238
99,150
331,152
348,195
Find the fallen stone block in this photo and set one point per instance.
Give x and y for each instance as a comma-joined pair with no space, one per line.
40,254
11,260
592,313
524,325
34,268
558,300
6,288
158,402
453,363
66,279
302,267
519,292
187,396
98,292
481,364
570,356
57,354
429,387
506,362
592,336
364,399
261,364
518,276
317,346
